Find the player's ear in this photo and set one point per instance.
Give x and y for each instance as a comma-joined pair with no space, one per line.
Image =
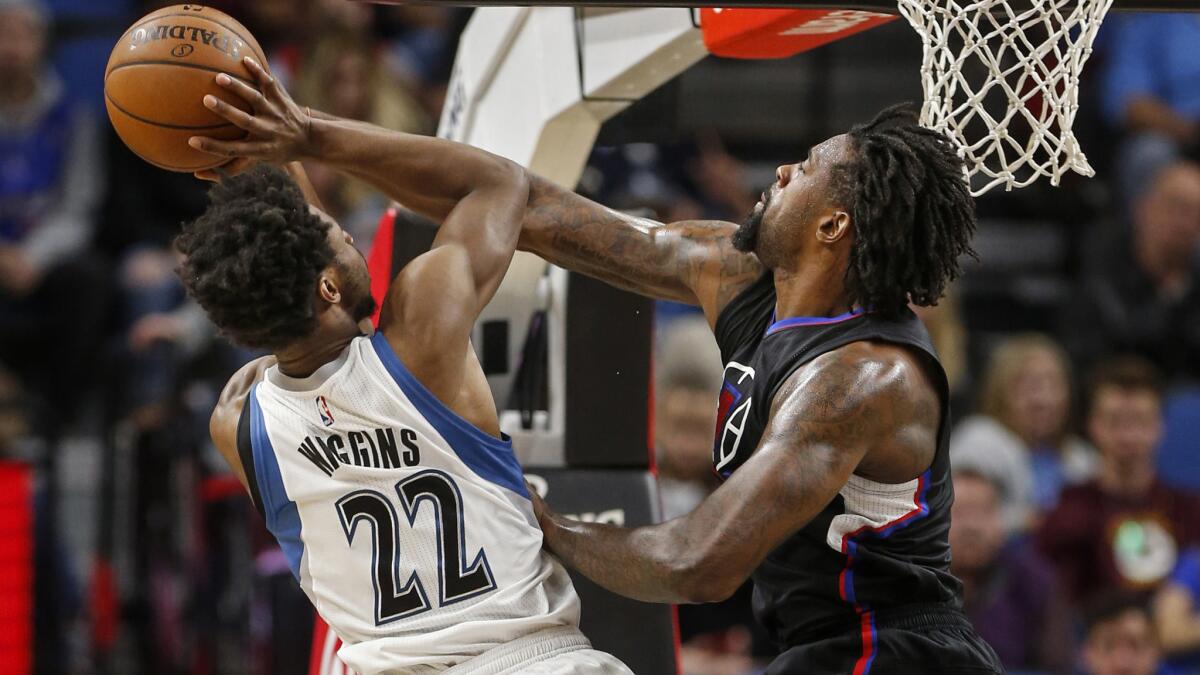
833,227
327,289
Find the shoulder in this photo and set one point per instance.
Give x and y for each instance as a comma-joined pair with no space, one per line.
224,420
864,390
858,374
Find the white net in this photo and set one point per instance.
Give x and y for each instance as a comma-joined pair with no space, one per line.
1001,78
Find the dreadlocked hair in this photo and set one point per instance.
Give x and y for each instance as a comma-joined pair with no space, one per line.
912,211
253,258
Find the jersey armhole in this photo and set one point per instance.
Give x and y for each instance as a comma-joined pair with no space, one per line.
246,454
731,324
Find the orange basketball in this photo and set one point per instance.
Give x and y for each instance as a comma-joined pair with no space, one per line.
157,77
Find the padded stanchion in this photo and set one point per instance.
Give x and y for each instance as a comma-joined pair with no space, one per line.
16,569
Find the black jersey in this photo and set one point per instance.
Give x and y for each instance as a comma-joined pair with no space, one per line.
875,548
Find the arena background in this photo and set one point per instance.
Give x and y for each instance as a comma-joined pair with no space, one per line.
128,548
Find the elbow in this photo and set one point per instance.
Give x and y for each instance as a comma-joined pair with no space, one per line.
700,580
508,175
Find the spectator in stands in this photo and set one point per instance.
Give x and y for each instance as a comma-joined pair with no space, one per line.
1152,88
1177,615
945,325
1009,592
1119,637
420,42
1140,293
720,179
1021,434
718,639
52,298
1124,528
343,75
687,380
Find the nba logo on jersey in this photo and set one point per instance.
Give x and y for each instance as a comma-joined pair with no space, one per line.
326,413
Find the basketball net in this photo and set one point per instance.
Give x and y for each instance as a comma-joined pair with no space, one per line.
1001,78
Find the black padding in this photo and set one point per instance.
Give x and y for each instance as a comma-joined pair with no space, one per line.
607,402
495,347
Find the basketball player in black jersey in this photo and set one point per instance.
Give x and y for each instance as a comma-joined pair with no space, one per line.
833,418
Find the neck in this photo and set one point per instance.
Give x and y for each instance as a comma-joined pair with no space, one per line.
305,357
813,291
1133,480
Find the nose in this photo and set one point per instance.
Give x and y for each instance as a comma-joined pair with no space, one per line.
784,174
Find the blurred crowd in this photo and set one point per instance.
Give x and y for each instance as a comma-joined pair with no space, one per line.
1076,531
107,368
1076,434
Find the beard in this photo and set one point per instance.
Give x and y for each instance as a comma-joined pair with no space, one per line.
364,308
745,238
359,287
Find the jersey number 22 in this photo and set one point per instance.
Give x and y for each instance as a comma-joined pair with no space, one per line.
457,580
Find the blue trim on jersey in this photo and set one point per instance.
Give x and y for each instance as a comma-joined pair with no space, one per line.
489,457
283,519
794,321
922,509
874,644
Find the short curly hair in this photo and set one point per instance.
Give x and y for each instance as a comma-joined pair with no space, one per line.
253,258
912,211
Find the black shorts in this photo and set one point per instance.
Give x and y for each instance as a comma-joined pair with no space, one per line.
937,642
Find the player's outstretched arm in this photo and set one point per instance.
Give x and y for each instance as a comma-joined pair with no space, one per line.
433,303
822,423
689,261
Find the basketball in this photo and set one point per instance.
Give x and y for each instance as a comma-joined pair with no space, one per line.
158,75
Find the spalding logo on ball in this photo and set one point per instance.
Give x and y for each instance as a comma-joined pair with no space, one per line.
158,75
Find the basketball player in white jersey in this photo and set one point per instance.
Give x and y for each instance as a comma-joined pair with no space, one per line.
377,459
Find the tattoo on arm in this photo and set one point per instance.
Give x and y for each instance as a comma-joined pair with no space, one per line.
690,261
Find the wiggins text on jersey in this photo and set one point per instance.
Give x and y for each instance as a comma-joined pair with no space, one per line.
375,449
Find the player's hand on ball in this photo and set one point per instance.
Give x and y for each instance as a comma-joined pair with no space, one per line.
278,128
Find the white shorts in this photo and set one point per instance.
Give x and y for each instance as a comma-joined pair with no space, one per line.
558,651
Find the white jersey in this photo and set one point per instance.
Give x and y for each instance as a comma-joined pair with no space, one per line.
410,529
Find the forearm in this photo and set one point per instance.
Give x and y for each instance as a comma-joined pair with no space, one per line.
298,174
426,174
665,261
644,563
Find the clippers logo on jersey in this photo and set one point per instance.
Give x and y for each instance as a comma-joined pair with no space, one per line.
324,411
733,408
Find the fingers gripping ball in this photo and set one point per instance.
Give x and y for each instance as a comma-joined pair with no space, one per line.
158,75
